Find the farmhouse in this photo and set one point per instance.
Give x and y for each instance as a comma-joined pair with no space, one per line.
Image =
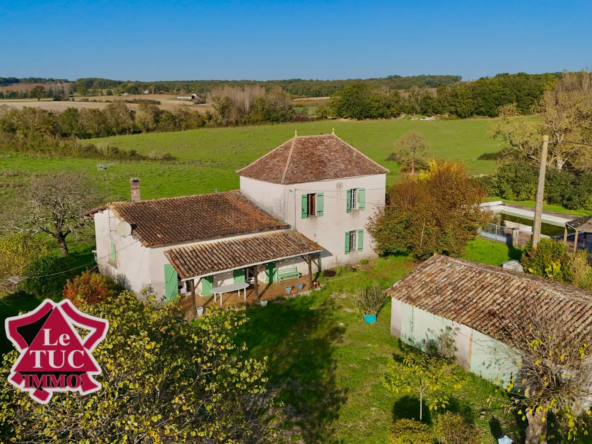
300,208
475,300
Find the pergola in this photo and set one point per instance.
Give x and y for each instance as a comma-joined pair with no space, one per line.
583,224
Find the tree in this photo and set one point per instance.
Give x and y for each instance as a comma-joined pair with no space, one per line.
38,92
431,375
566,113
411,149
164,380
435,212
55,204
555,369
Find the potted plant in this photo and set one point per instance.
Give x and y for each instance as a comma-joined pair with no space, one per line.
369,301
299,286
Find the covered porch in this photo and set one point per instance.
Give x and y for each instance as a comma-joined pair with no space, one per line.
580,238
245,270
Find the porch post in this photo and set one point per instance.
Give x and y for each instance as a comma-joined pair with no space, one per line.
193,295
309,260
256,281
576,242
565,235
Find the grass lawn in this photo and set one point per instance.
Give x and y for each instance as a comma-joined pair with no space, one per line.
328,364
208,158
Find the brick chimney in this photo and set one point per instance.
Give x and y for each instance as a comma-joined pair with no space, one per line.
135,186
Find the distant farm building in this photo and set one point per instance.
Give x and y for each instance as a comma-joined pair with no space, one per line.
188,97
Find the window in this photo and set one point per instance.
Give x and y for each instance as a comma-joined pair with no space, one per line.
354,240
312,205
356,199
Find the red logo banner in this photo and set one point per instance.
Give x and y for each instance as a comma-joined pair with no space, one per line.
53,356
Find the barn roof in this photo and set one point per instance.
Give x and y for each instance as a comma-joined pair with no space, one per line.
481,296
311,159
213,257
194,218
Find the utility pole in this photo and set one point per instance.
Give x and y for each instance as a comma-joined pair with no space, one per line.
538,211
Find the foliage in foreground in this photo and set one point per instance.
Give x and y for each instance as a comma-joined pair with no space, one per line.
451,428
18,250
556,370
437,212
164,380
551,260
88,288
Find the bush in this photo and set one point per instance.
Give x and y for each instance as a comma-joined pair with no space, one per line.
89,288
46,277
369,300
451,428
485,183
407,431
18,250
550,260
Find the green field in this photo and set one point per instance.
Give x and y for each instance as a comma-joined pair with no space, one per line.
208,158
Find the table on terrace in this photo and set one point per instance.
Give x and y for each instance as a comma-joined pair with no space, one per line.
238,286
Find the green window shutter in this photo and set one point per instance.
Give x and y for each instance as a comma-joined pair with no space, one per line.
320,204
348,203
113,255
270,272
346,242
362,198
360,240
171,287
304,199
207,283
239,276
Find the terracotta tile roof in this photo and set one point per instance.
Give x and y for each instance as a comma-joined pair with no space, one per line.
194,218
481,296
213,257
90,214
311,159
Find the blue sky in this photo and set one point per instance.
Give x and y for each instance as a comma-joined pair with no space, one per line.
180,40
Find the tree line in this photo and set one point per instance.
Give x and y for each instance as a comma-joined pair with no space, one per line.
483,97
294,87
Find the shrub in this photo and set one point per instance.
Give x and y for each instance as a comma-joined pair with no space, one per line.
45,277
485,183
451,428
89,288
369,300
550,260
18,250
364,261
407,431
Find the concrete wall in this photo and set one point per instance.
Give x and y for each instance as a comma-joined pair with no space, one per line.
327,230
476,352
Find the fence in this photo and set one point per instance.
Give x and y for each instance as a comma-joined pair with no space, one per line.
496,232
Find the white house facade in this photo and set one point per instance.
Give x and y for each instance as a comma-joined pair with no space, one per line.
300,208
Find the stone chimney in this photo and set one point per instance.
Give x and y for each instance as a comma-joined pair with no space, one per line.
135,186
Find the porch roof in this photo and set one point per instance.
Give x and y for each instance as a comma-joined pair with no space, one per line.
214,257
581,224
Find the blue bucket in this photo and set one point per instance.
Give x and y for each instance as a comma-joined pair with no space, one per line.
370,319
